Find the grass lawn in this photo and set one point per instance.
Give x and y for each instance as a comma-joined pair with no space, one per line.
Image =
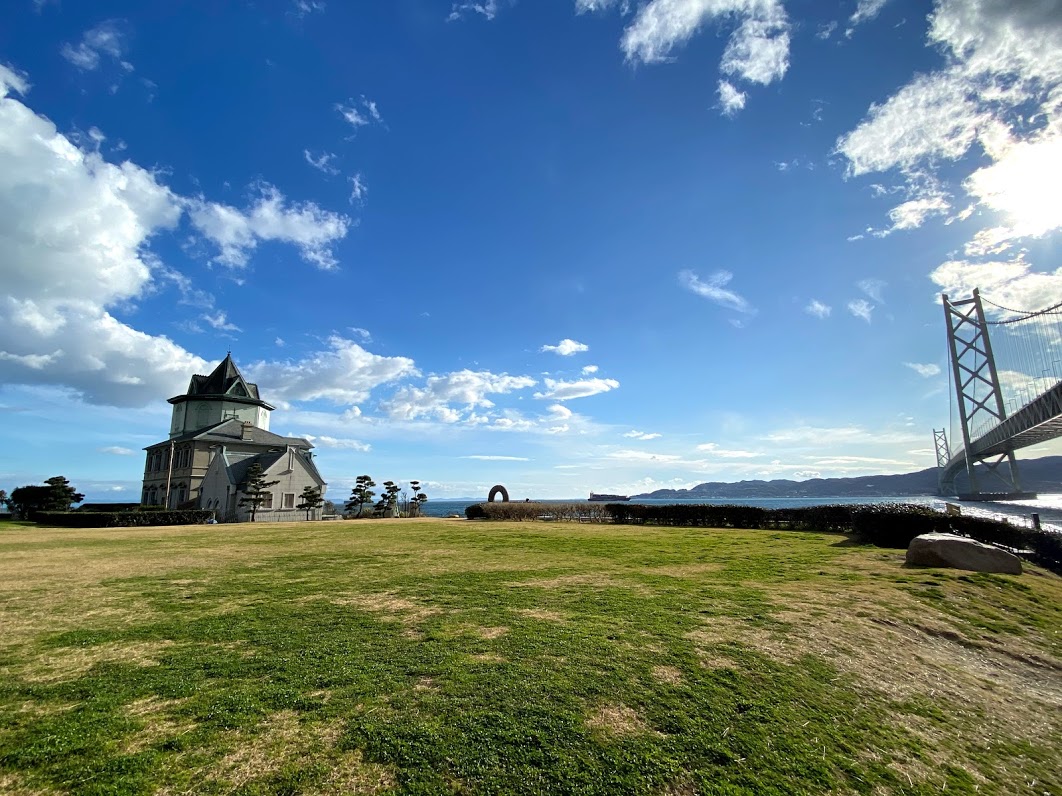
446,656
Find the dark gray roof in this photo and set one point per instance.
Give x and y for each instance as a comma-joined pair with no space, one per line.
225,381
238,469
231,431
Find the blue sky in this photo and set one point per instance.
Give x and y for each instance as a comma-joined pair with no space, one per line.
561,245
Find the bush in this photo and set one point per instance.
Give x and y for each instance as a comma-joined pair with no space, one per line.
532,512
122,519
109,507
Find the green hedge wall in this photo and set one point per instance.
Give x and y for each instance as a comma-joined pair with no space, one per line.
121,519
882,524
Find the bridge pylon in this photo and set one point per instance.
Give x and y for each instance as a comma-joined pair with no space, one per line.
979,398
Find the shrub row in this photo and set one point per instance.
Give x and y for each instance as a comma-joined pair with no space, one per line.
530,512
121,519
109,507
881,524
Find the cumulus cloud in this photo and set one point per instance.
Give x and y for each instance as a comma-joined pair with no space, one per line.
756,52
106,39
715,290
269,217
117,450
566,347
642,435
861,308
219,321
345,373
567,390
339,444
1000,91
452,396
73,231
1011,283
926,371
865,11
730,99
818,309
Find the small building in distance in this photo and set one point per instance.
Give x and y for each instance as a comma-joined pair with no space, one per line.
218,429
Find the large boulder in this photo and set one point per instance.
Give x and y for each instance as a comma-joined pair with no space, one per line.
949,550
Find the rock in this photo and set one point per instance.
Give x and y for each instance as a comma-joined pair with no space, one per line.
948,550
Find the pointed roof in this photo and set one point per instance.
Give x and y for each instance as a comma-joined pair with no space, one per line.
226,382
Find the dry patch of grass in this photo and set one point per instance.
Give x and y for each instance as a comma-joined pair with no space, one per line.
389,606
72,662
156,723
617,720
667,674
598,581
283,740
14,785
683,570
540,613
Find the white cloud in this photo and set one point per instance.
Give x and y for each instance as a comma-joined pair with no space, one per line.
322,162
107,38
865,11
826,30
339,444
911,214
1000,89
304,7
220,322
344,374
116,450
359,113
588,369
724,453
715,291
1010,283
730,99
358,189
873,288
489,458
73,232
818,309
861,308
567,390
759,50
925,371
269,218
566,347
804,474
835,436
487,9
642,435
452,396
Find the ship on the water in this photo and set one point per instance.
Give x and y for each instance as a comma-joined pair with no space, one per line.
596,497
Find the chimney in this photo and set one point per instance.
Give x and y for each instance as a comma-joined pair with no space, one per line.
246,431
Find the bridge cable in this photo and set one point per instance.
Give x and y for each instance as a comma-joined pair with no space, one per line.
1028,314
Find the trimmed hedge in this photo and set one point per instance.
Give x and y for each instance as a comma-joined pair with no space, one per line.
881,524
532,512
122,519
109,507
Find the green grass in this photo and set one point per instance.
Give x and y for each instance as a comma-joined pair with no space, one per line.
436,656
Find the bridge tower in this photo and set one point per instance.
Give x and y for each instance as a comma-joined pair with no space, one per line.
977,393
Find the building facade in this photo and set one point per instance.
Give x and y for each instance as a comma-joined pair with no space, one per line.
218,429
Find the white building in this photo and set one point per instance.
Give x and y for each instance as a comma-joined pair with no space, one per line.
219,428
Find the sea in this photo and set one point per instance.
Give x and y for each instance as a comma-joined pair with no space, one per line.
1018,512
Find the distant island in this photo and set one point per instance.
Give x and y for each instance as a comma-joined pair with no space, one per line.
1038,475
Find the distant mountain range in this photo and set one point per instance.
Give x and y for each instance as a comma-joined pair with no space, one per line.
1037,475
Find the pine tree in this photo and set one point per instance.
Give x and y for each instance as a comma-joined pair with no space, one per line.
61,495
390,497
361,493
311,499
256,488
418,499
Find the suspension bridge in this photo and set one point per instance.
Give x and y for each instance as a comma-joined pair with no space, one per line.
999,409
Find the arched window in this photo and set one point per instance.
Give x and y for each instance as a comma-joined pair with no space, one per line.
202,415
153,496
